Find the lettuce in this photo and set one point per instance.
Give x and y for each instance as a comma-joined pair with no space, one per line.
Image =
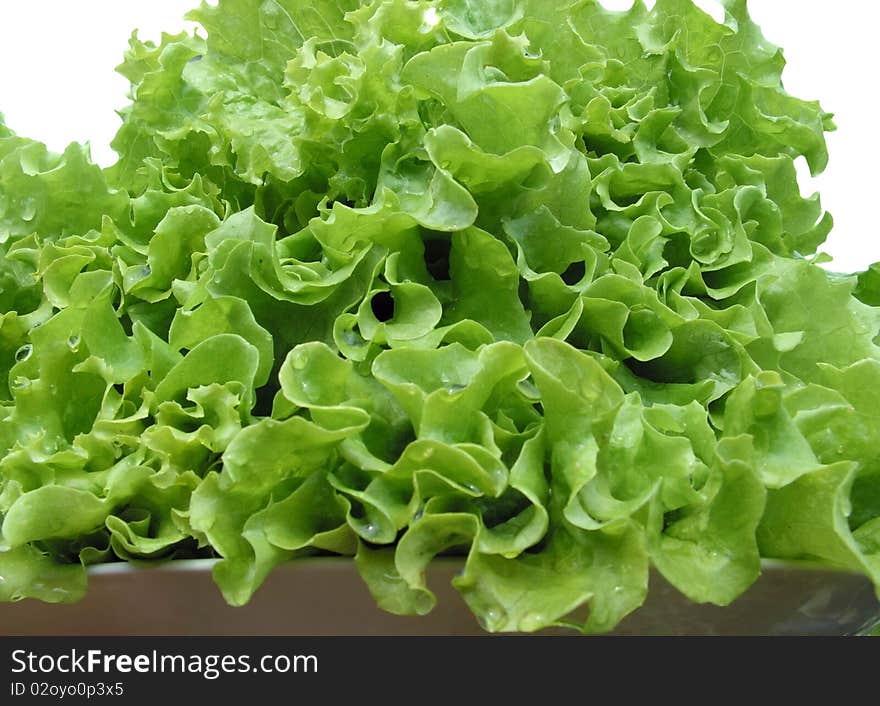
529,283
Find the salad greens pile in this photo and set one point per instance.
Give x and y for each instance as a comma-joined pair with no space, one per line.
530,282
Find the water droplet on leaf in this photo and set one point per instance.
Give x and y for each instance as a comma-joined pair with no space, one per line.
493,618
28,209
299,360
351,338
23,353
532,622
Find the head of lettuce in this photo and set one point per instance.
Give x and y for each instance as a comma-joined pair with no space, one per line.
530,282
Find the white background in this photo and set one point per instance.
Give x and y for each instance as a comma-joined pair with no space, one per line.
57,85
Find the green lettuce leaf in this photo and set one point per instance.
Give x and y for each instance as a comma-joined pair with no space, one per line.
523,283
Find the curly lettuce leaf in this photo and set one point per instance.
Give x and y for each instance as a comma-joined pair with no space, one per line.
524,283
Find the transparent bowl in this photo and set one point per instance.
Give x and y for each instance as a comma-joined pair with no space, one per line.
327,597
